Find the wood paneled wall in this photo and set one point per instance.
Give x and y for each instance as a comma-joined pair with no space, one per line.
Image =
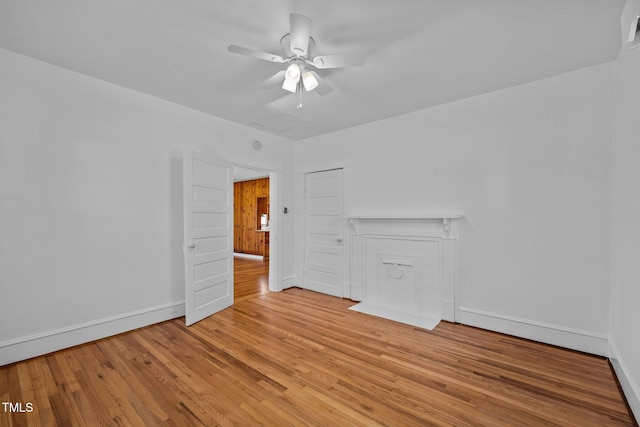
246,223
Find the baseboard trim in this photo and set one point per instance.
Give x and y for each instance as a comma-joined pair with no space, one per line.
629,387
356,291
34,345
289,282
448,310
575,339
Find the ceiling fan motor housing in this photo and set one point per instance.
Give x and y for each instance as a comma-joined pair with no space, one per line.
289,53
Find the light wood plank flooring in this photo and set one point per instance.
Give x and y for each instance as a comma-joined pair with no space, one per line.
301,358
251,278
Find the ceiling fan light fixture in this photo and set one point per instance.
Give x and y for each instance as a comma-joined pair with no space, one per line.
309,81
297,46
293,73
290,85
291,78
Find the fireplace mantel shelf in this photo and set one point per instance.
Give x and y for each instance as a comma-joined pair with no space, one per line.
444,217
408,216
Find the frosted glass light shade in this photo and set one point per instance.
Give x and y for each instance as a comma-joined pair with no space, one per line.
293,72
291,78
290,85
309,81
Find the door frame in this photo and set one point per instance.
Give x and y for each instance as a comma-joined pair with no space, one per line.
275,199
300,197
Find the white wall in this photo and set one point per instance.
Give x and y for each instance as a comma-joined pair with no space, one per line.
91,203
530,167
625,292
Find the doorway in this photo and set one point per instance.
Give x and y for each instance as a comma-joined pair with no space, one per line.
208,194
252,221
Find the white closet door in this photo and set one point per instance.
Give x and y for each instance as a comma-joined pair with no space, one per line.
324,218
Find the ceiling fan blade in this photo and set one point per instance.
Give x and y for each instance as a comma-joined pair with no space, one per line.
340,60
323,87
255,53
273,81
300,32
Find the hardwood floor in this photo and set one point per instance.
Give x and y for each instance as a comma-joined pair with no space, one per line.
251,277
302,358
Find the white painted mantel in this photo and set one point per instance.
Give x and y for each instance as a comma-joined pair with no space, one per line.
405,267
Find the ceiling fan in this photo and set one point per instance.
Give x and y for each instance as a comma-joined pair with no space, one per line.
297,46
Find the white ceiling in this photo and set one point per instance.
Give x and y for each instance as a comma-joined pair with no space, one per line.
419,53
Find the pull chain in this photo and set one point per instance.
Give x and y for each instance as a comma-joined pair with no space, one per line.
300,94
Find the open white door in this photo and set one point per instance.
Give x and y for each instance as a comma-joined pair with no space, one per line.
208,235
